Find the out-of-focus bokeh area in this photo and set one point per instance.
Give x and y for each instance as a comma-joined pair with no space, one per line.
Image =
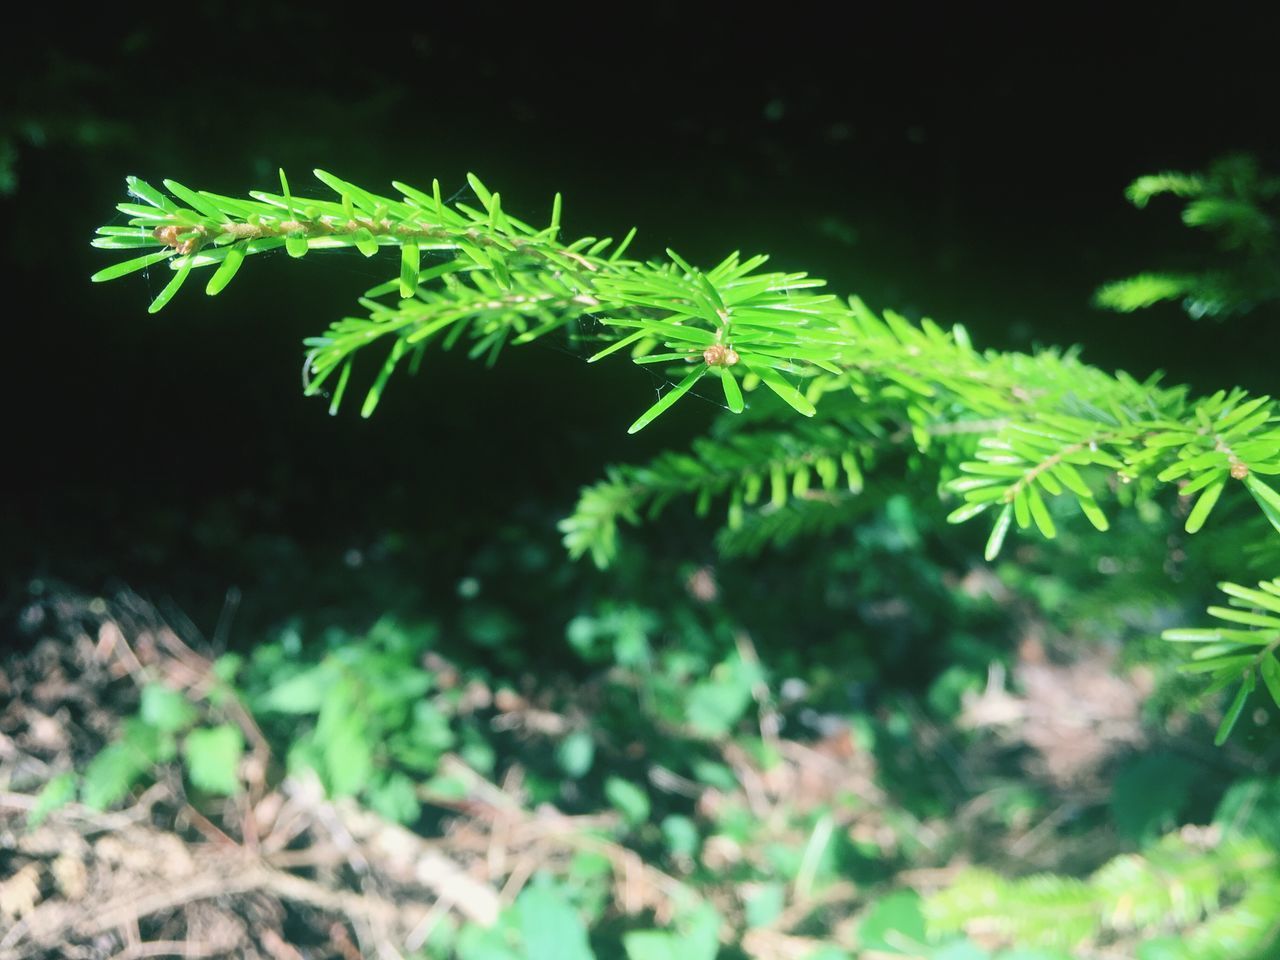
278,684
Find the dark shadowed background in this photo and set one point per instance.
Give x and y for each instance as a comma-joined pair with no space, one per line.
969,169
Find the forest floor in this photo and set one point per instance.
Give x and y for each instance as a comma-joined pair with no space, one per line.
279,872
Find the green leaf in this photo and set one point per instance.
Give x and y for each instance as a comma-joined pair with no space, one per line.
1229,667
1200,512
576,753
171,288
852,471
1021,509
55,794
233,208
129,266
680,834
1258,598
673,331
1245,617
375,392
193,200
778,384
627,799
1040,513
621,248
1267,499
967,485
967,511
111,774
732,392
998,531
699,930
1269,667
296,247
365,242
481,191
340,389
557,205
1233,712
166,709
715,705
651,945
1093,513
212,757
302,693
151,744
134,239
288,197
1216,654
396,798
348,757
668,398
1174,471
224,274
485,943
144,191
894,925
420,746
550,928
1050,483
141,214
618,345
349,192
991,469
764,904
409,258
1224,634
1205,479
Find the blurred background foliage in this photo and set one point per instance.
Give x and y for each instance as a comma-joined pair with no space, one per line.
864,744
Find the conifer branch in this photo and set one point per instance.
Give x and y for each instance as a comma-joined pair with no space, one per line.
1215,902
1237,204
1020,436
